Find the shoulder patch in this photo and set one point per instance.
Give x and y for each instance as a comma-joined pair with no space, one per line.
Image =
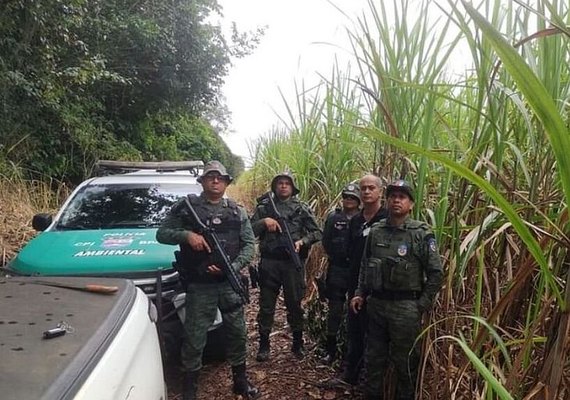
431,242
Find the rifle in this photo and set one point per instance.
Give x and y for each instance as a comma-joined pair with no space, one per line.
285,231
212,238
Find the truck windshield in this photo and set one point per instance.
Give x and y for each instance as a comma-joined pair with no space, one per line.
122,205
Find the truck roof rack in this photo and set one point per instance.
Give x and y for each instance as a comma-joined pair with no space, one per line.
110,166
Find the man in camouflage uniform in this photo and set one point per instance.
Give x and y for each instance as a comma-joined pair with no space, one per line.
401,274
336,235
208,289
277,268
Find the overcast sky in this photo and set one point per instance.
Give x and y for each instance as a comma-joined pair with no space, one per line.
291,49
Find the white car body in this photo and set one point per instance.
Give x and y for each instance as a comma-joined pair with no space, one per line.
109,348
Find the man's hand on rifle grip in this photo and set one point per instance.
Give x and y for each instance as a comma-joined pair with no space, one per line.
214,270
197,242
272,225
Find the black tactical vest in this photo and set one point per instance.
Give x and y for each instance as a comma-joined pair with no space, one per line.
337,242
226,222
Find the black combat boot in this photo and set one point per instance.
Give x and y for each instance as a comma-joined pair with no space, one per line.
263,353
241,384
330,348
297,347
190,385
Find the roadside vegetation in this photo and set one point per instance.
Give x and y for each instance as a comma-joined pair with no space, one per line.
135,80
20,199
487,148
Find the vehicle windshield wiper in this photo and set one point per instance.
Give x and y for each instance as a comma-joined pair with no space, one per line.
127,224
75,227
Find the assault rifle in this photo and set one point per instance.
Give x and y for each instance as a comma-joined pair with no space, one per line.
285,231
224,261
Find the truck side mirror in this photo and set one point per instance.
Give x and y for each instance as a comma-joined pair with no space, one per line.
40,222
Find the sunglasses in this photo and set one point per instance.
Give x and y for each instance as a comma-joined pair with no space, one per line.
212,177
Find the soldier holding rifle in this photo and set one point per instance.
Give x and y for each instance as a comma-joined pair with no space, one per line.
286,228
211,282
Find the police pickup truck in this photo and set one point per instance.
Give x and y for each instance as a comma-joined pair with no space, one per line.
107,227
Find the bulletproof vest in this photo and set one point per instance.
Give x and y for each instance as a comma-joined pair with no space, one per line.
340,236
273,243
395,255
226,223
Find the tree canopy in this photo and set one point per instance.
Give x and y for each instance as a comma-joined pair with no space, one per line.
83,80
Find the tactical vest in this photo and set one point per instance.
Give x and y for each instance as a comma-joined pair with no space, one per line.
272,244
394,259
226,222
337,243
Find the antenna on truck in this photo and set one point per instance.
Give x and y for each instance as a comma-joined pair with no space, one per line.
108,167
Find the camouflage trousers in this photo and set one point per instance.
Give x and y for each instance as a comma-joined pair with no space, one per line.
202,302
337,287
393,326
272,275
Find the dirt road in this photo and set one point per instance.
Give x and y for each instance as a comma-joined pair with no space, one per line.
283,377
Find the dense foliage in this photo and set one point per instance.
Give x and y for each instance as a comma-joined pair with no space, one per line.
137,80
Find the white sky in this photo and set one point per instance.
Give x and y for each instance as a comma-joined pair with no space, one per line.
291,49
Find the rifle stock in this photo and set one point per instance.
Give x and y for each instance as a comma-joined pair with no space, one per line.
225,264
285,231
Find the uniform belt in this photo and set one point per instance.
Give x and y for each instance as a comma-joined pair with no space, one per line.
396,295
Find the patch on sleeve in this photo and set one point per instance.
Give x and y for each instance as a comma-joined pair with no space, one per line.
432,244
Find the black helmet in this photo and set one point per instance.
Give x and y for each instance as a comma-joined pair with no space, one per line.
400,185
285,174
215,166
351,190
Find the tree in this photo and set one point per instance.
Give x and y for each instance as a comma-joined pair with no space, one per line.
78,78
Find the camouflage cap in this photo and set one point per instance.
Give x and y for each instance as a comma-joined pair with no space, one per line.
351,190
285,174
215,166
400,185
